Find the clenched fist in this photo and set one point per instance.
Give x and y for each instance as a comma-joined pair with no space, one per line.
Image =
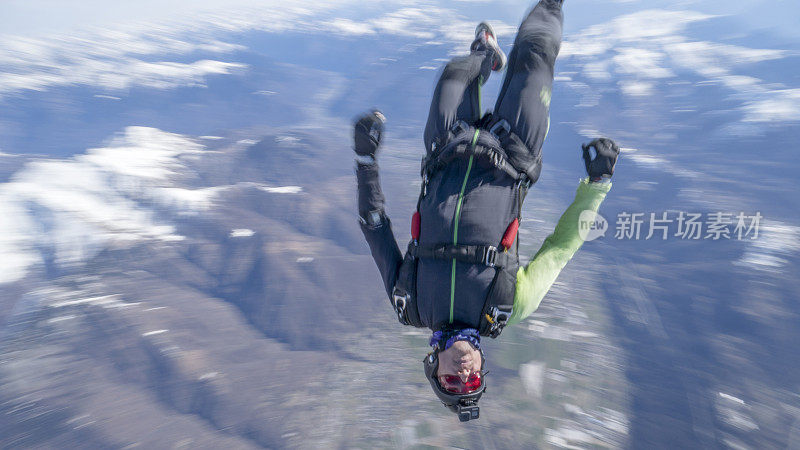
605,158
367,133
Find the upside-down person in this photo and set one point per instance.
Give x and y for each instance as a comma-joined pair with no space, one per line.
460,276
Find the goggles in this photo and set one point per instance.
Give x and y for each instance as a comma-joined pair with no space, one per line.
453,383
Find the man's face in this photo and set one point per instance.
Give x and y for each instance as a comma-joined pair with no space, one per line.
461,360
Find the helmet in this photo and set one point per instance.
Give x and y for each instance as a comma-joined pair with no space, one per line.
465,405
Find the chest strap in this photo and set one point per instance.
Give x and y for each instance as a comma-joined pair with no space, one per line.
473,254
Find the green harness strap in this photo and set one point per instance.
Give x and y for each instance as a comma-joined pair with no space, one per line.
455,229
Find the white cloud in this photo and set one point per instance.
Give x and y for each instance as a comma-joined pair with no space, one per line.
642,26
641,62
598,70
712,59
119,57
648,161
630,48
411,21
640,50
117,75
347,26
660,164
781,105
636,88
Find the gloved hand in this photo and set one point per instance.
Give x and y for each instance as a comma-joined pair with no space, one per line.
368,132
605,158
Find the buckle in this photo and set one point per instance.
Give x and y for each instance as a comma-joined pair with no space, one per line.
459,127
523,182
500,317
490,256
500,124
399,304
498,320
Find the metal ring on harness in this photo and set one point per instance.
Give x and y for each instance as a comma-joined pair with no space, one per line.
399,303
490,256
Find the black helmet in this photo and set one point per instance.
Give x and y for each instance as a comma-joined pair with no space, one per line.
465,405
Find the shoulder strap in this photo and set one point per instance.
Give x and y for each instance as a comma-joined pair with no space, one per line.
497,310
496,142
404,295
487,147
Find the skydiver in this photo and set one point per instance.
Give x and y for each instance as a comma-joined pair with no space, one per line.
460,276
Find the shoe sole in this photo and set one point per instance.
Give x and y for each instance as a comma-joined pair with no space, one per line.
485,27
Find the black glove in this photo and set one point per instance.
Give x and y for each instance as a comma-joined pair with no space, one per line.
368,132
605,158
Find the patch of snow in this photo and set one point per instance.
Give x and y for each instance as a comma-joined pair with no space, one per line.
287,140
60,318
187,200
532,375
142,152
414,332
17,243
72,208
731,398
241,232
282,189
154,332
774,243
584,334
102,300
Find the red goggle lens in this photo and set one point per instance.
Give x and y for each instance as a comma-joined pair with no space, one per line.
453,383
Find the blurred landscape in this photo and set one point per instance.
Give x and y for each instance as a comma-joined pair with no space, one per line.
181,264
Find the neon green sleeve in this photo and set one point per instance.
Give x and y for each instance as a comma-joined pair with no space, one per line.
535,279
